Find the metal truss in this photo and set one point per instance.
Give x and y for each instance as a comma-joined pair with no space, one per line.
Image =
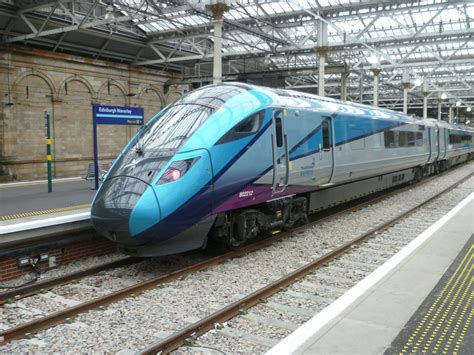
274,40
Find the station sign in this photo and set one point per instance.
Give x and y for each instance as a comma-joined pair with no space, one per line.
118,115
112,115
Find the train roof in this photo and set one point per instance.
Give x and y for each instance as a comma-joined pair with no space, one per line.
293,98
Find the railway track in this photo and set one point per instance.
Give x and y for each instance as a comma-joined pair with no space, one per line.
58,317
190,333
40,286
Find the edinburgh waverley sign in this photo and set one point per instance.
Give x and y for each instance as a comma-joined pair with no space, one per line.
118,115
112,115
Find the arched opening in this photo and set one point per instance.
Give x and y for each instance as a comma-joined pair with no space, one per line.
151,101
112,139
73,130
25,145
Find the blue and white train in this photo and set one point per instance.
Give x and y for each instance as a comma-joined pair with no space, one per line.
231,161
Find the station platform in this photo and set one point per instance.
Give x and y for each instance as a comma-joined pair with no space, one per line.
419,301
24,201
29,213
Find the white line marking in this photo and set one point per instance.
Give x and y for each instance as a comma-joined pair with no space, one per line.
19,227
37,182
302,336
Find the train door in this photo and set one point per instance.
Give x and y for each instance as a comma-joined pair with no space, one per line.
438,144
324,155
430,146
280,153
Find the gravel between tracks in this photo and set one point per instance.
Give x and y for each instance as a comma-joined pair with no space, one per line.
135,322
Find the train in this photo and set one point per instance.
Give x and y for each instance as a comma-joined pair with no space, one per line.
229,162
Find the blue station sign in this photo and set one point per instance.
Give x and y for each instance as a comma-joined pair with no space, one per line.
118,115
112,115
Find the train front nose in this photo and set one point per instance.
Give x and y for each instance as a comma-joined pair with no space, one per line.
124,207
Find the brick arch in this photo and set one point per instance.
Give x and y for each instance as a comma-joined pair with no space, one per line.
82,80
173,95
155,90
39,74
112,82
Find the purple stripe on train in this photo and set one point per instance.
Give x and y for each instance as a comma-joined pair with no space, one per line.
257,193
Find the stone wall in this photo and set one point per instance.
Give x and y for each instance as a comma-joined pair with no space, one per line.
33,81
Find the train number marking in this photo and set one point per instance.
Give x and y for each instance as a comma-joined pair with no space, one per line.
246,193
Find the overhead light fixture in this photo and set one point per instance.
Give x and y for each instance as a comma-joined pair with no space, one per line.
418,82
468,109
444,96
373,59
467,122
109,14
458,103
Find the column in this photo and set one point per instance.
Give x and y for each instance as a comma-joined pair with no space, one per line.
405,86
376,72
451,120
425,94
322,50
344,77
217,13
439,106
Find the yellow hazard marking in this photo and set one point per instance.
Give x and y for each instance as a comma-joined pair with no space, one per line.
37,213
48,141
48,157
291,166
451,310
285,112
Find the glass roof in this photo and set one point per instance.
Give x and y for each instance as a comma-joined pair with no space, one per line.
431,38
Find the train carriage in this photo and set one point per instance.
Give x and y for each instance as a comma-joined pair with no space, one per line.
231,161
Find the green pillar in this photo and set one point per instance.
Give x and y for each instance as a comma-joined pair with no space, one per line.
48,149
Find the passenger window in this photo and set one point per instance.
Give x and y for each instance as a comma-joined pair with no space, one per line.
419,139
245,128
279,132
389,137
325,133
411,139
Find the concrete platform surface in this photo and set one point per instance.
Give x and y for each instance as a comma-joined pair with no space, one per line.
374,319
30,199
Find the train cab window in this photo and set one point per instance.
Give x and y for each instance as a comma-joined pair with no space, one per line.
245,128
325,132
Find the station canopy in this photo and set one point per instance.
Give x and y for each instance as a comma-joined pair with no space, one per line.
270,42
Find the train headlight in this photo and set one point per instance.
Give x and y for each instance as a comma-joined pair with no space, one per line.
176,170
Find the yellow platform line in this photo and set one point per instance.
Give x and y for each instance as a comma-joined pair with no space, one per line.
42,212
435,317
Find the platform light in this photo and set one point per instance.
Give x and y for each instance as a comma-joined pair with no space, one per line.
109,15
444,96
458,103
373,59
468,109
418,82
